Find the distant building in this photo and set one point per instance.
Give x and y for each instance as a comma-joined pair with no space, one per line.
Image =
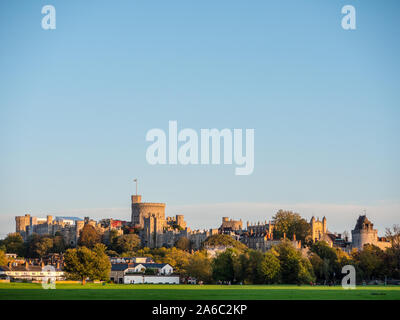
29,272
115,260
318,229
69,227
134,273
230,225
364,233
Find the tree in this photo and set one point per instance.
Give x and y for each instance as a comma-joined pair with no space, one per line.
82,263
39,246
223,265
328,267
177,258
14,243
183,243
393,236
270,268
199,266
248,267
112,235
224,240
371,261
58,244
3,258
126,243
289,223
89,236
294,268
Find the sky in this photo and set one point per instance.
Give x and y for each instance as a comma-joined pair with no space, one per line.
76,104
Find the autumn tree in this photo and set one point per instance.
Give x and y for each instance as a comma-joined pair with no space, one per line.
126,243
290,223
3,258
83,263
224,240
199,266
89,236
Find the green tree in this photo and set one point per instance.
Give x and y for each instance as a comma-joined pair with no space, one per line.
14,243
371,261
199,266
83,263
290,223
58,244
328,268
39,246
270,268
126,243
89,236
294,268
223,265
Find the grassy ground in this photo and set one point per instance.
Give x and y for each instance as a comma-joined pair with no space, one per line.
20,291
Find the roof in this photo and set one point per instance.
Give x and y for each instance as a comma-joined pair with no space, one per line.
24,268
362,221
124,266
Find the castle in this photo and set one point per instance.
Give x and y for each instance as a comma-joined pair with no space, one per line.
156,230
69,228
364,233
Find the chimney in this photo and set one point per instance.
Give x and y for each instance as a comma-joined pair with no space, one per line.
284,235
294,237
58,265
42,264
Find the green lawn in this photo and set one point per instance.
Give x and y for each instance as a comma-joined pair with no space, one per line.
16,291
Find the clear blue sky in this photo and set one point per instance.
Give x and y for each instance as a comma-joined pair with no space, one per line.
76,103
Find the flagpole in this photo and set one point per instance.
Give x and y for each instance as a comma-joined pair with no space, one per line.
135,180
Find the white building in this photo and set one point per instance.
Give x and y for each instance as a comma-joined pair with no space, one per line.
136,273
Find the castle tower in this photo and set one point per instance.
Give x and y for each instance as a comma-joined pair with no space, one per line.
141,210
363,233
324,224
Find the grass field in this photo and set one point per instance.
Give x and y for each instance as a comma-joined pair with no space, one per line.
29,291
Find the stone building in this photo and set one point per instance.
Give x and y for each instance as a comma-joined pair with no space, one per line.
141,210
230,225
318,229
364,233
69,228
260,236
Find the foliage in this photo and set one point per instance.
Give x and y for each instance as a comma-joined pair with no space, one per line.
126,243
82,263
89,236
199,266
223,265
223,240
270,268
3,258
289,223
14,243
294,268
